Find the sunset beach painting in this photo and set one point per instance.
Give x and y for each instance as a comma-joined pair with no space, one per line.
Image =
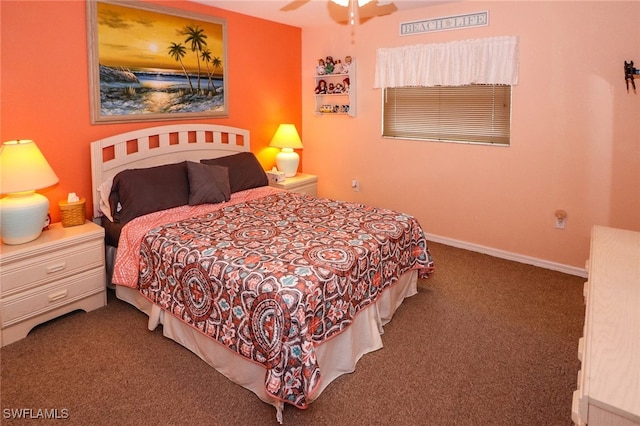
153,63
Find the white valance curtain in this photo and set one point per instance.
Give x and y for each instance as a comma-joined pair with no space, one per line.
481,61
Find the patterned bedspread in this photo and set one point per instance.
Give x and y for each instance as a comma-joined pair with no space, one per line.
274,276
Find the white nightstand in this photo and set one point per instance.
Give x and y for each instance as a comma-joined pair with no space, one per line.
302,183
59,272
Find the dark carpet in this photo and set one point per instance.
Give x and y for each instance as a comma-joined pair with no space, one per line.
485,342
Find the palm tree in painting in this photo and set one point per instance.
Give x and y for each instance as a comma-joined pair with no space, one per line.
197,38
177,52
206,57
217,63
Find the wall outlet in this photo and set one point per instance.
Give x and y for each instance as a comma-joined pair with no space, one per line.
561,219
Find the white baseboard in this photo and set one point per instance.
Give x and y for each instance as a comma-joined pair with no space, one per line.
572,270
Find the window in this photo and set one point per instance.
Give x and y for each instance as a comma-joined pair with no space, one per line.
469,114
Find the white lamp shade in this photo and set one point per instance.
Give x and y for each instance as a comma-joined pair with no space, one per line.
287,138
23,169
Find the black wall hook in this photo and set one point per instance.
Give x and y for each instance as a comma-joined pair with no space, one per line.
629,72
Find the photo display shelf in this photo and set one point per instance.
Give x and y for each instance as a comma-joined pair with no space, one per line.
335,86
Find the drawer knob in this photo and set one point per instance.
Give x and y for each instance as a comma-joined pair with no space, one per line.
57,296
56,268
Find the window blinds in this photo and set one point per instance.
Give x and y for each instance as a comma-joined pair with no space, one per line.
469,114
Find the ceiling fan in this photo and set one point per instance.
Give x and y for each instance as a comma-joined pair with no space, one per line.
345,11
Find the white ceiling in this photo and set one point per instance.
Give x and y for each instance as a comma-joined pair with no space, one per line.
310,13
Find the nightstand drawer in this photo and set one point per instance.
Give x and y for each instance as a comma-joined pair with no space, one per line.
310,189
31,303
302,183
46,267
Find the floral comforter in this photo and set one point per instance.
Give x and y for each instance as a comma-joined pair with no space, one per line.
272,277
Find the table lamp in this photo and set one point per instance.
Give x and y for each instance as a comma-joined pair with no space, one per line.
23,169
287,138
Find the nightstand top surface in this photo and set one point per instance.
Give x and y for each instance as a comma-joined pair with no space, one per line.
54,235
302,176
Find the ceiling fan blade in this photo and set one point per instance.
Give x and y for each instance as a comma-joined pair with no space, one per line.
374,8
364,13
294,5
339,14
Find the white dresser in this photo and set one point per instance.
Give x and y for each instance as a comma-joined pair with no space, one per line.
59,272
608,390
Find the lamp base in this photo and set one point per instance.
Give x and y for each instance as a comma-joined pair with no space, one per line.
22,216
287,161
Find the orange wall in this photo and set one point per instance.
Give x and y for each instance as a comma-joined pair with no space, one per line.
575,131
44,92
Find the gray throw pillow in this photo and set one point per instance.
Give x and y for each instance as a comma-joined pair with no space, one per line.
208,184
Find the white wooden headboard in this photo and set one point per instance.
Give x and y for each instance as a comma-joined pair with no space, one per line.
161,145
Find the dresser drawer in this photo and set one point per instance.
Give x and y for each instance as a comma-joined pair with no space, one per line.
46,267
575,409
581,348
34,302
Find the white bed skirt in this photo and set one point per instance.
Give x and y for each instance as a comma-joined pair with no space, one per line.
336,356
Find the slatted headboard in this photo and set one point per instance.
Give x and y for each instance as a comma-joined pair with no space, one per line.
155,146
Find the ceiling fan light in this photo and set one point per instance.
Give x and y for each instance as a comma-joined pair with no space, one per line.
343,3
362,2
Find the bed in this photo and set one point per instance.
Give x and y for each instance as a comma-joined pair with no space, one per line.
280,292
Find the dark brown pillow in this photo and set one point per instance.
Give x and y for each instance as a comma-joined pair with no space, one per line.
208,183
148,190
245,172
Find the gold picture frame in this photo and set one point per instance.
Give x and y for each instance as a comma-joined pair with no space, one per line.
149,63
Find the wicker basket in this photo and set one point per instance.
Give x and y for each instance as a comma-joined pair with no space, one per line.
73,213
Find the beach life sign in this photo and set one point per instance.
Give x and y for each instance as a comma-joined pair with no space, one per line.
445,23
148,62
